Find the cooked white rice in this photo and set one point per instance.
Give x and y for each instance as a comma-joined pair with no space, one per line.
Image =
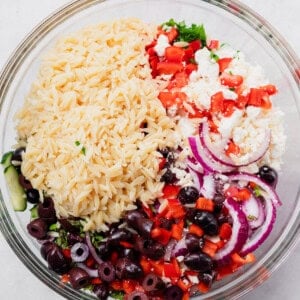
81,124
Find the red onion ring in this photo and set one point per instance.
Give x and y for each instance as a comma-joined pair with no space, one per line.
222,158
92,249
208,187
92,272
254,208
239,233
252,178
205,159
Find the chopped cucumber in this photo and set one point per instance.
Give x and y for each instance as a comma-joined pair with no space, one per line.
17,193
34,212
6,159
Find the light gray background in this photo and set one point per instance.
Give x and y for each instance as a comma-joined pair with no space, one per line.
17,18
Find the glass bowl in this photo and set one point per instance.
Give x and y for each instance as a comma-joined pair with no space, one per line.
226,20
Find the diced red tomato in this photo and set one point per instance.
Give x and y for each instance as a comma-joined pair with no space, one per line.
195,45
170,191
224,63
151,51
232,148
161,235
145,264
205,204
214,44
174,54
228,107
172,34
165,67
225,231
216,104
270,89
231,80
203,288
189,68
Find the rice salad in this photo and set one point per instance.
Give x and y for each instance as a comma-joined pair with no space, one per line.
149,156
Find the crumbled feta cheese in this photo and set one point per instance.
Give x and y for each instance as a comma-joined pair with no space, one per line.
207,67
161,45
186,127
226,51
226,125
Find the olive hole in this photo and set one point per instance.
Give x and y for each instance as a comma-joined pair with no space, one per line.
150,281
106,271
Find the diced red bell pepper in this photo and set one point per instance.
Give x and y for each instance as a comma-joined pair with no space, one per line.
216,104
270,89
172,269
177,230
151,45
169,99
266,102
195,45
242,101
65,278
129,285
161,235
158,267
188,54
185,286
255,97
189,68
224,63
228,107
231,192
66,252
210,248
231,80
240,261
203,288
198,113
145,264
180,80
96,281
162,163
225,231
169,68
151,51
232,148
214,44
243,194
205,204
172,34
170,191
174,54
212,126
194,229
175,209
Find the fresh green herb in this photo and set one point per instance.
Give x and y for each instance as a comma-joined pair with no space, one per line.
257,191
34,212
77,143
83,150
6,156
232,89
96,239
62,239
188,33
117,295
214,56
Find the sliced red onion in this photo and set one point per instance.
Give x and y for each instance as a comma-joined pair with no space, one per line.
169,249
197,179
208,187
254,212
252,178
92,272
92,249
260,234
193,164
205,159
219,155
180,248
239,233
79,252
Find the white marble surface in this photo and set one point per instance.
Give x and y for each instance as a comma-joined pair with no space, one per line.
17,18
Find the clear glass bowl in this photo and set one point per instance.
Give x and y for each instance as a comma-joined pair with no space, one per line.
226,20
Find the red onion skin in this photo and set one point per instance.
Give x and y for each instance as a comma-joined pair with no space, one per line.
92,249
239,234
222,158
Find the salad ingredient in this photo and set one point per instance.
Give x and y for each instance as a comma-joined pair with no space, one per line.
106,272
37,228
79,252
16,191
32,196
268,175
79,278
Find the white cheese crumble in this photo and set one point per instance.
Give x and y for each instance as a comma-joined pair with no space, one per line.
161,45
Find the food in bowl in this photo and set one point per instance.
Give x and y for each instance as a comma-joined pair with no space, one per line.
150,155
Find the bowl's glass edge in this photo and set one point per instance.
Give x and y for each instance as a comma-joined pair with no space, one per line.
7,74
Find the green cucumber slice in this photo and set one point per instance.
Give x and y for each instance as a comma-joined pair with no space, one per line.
6,159
17,193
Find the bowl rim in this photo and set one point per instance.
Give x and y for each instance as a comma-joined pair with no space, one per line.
14,239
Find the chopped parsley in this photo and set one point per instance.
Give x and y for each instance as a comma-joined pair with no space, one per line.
83,149
77,143
214,56
117,295
232,89
62,240
188,33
